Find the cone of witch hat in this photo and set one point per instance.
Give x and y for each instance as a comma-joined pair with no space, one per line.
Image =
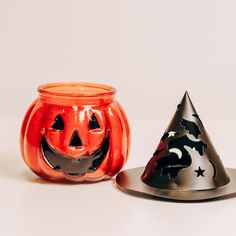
185,158
185,165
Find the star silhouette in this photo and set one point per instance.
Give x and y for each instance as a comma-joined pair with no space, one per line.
199,172
171,134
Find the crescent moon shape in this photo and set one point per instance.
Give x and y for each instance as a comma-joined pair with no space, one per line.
176,151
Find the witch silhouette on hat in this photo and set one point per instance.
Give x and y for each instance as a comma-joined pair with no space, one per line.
185,165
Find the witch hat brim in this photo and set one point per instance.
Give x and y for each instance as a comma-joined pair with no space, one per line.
130,180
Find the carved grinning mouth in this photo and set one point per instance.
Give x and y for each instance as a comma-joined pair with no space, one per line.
74,166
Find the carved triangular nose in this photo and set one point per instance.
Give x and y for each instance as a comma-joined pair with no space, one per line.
75,140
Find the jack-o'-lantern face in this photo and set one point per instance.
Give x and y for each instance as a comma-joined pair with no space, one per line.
75,140
76,132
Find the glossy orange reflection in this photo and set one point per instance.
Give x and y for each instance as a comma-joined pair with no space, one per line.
76,132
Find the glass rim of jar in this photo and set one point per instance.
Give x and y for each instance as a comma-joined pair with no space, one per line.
76,89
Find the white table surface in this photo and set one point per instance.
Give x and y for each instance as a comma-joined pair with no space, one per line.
32,206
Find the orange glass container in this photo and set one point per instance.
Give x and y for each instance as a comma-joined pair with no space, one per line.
76,132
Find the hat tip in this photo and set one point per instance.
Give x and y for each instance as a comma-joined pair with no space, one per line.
186,93
186,97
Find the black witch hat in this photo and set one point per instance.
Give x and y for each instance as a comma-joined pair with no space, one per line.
185,165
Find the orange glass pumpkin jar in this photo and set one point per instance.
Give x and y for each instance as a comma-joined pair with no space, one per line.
76,132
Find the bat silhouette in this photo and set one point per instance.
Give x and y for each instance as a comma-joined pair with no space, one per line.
191,127
197,116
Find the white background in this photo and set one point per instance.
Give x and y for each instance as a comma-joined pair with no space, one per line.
151,51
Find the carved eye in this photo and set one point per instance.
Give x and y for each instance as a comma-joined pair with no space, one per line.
59,123
93,124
